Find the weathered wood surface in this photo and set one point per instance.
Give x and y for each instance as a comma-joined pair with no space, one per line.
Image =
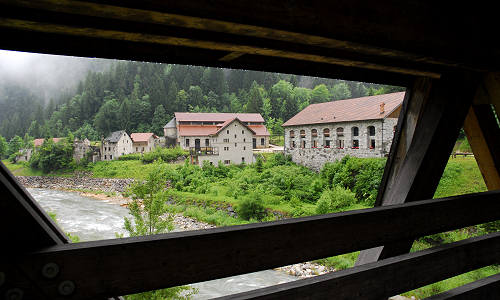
424,143
485,289
137,264
390,276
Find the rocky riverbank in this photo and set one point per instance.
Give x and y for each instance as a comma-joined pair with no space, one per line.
82,183
110,189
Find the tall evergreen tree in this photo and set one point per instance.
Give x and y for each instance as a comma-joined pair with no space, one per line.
160,118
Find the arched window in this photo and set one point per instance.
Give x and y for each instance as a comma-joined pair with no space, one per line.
326,132
340,131
314,133
355,131
302,133
371,130
292,134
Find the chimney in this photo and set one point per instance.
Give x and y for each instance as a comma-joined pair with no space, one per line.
382,110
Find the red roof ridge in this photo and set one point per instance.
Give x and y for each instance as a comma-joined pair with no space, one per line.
226,123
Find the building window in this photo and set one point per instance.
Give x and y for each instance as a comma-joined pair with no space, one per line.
242,160
302,133
226,148
262,142
244,148
371,130
226,140
142,149
340,144
227,162
327,143
235,136
340,131
355,144
314,133
292,144
105,157
242,132
136,149
111,157
355,131
292,134
315,144
244,140
235,145
372,144
187,142
326,132
227,131
303,144
207,142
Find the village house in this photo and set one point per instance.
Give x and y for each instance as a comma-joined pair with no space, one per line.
143,142
225,137
24,155
118,143
360,127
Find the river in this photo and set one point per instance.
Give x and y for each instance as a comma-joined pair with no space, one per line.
92,219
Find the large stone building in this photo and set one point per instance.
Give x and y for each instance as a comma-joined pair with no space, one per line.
360,127
118,143
225,137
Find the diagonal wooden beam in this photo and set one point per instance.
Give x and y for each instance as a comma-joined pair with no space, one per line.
483,131
425,139
130,265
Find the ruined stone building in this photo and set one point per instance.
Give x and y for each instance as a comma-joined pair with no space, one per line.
360,127
225,137
118,143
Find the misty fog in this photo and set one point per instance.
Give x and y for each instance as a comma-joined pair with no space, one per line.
47,76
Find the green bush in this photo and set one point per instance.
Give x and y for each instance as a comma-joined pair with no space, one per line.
133,156
53,156
166,154
251,207
334,200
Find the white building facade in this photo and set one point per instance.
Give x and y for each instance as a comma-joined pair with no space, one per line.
118,143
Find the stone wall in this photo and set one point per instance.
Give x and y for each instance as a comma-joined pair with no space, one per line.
316,157
78,183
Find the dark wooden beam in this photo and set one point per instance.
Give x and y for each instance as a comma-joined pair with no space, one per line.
485,289
138,264
390,276
435,113
24,224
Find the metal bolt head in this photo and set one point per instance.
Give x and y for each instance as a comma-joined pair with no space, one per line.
50,270
66,288
14,294
2,278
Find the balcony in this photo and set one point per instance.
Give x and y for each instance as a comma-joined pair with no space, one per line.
201,151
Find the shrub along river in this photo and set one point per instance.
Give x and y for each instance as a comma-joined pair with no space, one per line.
91,219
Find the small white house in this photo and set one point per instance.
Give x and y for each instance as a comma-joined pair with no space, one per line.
143,142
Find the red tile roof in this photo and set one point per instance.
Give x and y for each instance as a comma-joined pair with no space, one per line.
364,108
141,136
197,130
260,130
226,123
216,117
39,142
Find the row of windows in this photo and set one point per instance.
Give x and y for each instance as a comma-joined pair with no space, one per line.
207,142
340,132
339,143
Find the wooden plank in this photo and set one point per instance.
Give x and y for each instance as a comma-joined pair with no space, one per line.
390,276
420,27
201,44
205,24
440,112
133,265
483,134
485,289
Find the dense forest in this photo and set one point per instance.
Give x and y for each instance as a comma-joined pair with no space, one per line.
141,97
